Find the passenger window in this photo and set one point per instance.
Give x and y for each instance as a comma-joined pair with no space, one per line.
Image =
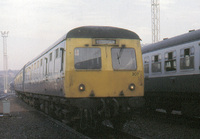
50,56
187,58
170,61
41,62
146,64
156,63
38,64
46,66
57,53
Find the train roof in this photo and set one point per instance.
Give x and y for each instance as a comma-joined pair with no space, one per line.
177,40
101,32
97,32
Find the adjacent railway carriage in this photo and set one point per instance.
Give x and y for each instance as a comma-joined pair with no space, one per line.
172,73
91,74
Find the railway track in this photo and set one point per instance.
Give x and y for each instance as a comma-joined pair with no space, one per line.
107,132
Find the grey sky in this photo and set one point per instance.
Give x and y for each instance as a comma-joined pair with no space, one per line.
35,24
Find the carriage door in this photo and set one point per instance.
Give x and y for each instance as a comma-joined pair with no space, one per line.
62,60
199,57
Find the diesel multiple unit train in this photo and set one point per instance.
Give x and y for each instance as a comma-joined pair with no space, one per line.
91,74
172,73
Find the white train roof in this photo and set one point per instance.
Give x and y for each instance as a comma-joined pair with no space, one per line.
181,39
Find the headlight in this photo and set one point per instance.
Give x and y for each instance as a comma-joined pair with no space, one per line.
132,87
81,87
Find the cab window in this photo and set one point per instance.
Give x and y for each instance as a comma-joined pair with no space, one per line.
123,59
87,58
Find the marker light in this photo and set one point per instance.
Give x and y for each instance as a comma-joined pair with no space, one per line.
81,87
132,87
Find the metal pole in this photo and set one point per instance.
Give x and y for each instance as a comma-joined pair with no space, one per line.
4,34
155,20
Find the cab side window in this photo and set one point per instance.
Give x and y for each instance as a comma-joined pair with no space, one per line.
170,61
187,58
156,63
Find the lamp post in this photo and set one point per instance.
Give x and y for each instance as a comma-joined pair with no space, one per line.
4,34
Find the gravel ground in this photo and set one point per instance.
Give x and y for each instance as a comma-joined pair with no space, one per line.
157,126
26,122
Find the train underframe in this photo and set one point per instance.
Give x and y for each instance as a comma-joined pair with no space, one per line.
189,104
174,93
85,113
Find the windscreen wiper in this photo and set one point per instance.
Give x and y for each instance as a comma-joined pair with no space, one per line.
120,53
